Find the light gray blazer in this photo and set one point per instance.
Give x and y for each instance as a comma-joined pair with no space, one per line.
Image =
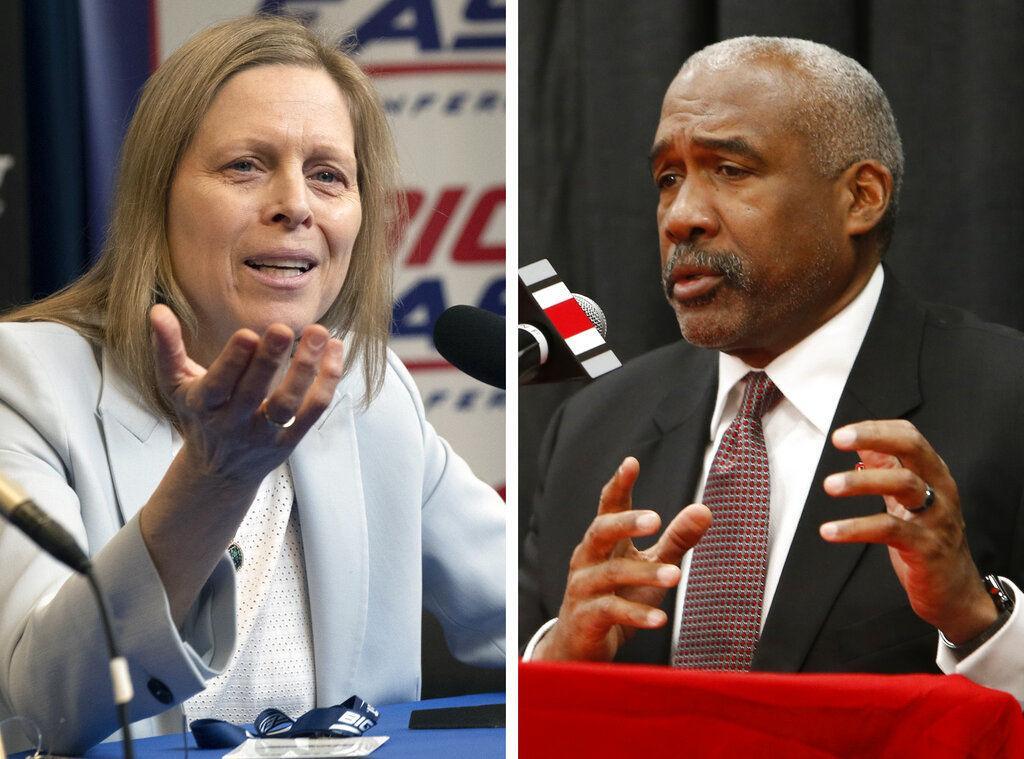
392,521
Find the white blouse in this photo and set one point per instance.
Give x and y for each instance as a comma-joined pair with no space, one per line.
273,662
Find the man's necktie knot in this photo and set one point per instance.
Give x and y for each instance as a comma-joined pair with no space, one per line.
759,396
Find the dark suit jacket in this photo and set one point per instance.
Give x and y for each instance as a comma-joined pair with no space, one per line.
837,607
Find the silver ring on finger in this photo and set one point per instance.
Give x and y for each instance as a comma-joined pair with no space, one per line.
273,422
929,499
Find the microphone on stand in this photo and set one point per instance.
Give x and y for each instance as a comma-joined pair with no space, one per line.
23,513
49,535
564,333
561,334
535,340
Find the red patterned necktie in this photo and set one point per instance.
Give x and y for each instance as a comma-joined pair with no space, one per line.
725,588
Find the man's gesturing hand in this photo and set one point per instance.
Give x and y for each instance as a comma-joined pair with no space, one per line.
927,543
613,588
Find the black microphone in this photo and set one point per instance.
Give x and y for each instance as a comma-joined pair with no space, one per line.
49,535
22,512
473,341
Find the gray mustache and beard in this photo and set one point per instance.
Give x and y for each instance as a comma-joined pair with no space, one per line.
724,264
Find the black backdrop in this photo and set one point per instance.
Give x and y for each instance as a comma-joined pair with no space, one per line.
14,281
592,75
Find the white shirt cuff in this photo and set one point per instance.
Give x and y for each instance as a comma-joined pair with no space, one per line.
997,662
528,653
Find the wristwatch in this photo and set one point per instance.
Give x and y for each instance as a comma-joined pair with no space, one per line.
1003,599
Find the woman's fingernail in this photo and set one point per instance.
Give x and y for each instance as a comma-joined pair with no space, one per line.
829,530
316,339
278,343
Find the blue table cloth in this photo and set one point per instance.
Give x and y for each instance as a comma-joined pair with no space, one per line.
469,743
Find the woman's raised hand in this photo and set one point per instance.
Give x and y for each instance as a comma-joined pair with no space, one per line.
235,427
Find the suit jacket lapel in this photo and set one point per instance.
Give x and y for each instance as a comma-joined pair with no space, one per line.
140,445
329,495
670,465
882,385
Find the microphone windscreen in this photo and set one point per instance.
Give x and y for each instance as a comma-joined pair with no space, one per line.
594,313
473,340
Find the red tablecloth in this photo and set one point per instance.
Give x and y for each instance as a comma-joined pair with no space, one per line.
614,710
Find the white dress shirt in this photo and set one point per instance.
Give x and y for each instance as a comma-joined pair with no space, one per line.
811,376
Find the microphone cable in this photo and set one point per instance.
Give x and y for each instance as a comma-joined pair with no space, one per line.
120,678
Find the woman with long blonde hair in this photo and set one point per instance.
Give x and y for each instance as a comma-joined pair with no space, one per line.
213,412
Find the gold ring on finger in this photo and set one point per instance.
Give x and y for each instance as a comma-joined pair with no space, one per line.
280,425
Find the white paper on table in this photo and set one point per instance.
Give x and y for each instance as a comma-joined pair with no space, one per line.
307,748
